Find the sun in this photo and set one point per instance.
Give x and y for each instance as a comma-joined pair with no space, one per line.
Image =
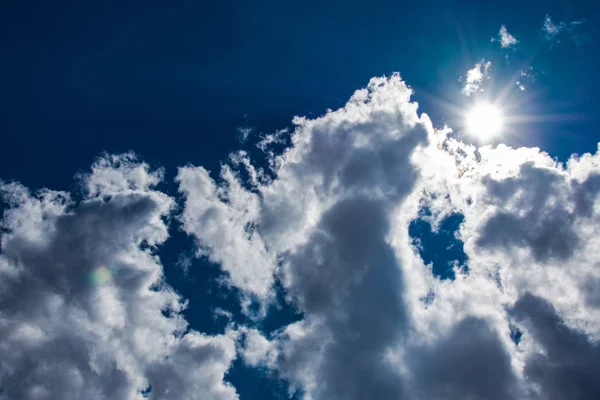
484,121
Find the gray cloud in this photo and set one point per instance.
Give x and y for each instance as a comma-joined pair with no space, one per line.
566,366
85,312
469,363
347,278
542,224
335,216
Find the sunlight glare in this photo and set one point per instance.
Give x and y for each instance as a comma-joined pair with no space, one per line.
484,121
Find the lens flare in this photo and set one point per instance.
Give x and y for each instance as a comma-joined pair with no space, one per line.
100,275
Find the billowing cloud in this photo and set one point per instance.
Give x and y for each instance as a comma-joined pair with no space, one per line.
334,215
452,367
327,214
505,39
85,311
564,362
475,77
521,207
329,219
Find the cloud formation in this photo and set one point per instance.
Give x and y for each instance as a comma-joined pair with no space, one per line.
330,221
505,38
85,311
565,364
475,77
553,31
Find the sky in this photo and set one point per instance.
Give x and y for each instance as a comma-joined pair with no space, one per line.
299,200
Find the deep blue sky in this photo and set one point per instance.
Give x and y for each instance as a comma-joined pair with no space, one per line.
173,82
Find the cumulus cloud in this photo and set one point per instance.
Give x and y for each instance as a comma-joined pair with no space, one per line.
505,39
564,363
469,363
235,244
336,215
85,311
524,208
475,77
329,219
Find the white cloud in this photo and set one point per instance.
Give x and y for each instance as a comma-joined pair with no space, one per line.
475,77
244,132
505,38
83,289
256,348
527,78
221,217
336,215
85,312
326,215
551,29
555,31
331,222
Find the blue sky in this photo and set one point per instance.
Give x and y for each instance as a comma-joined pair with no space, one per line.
212,231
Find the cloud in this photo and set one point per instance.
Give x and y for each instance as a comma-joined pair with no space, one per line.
553,32
528,76
452,368
526,209
329,219
85,311
551,29
566,362
335,215
476,76
505,38
244,132
235,244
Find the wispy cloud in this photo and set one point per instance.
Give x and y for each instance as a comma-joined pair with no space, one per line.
527,76
551,29
84,295
555,31
475,77
244,132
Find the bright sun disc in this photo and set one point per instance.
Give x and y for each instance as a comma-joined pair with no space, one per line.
484,121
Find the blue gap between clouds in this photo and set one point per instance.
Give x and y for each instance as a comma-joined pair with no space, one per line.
515,334
442,249
258,382
201,286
